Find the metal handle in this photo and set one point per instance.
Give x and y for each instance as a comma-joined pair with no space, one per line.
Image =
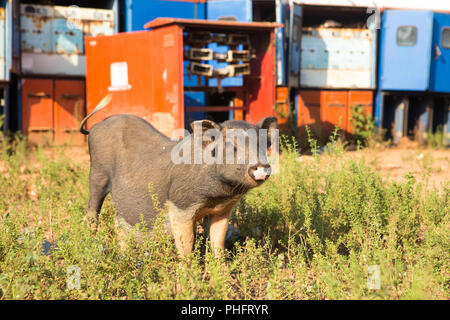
337,105
437,52
38,95
71,96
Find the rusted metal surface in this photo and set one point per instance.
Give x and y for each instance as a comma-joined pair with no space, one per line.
52,37
338,58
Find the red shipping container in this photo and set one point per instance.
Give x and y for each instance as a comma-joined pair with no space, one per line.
144,72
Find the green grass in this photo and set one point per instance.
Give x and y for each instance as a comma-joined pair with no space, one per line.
311,232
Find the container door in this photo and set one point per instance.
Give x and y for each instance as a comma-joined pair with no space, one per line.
295,26
3,69
69,110
37,110
440,67
281,34
406,39
334,110
308,112
363,98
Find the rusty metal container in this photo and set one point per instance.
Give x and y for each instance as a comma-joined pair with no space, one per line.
52,37
144,71
340,58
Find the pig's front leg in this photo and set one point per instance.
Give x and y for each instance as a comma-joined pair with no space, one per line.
217,231
182,226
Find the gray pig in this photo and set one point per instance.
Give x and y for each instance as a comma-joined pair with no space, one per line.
128,154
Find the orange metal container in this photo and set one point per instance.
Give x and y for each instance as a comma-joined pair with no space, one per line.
308,109
334,111
69,110
323,110
52,110
364,98
144,72
282,108
37,110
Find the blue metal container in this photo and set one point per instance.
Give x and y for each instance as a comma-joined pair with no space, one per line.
405,50
415,50
139,12
440,66
237,10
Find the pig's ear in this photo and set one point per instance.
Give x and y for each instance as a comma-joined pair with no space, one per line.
204,125
268,123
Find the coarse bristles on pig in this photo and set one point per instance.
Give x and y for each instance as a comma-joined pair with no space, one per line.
128,155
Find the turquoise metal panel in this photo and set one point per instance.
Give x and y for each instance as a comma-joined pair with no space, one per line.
338,58
36,29
66,40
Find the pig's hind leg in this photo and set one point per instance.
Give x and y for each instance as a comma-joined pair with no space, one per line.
99,187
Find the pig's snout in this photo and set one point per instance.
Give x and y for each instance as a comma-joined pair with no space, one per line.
260,172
